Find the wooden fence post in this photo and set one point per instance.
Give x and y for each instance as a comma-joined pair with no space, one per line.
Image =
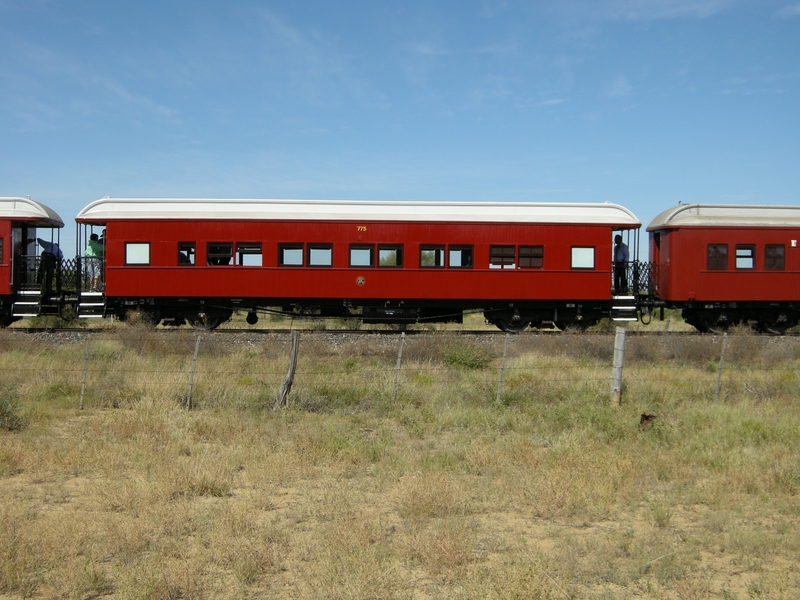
721,361
286,386
397,367
191,373
619,359
85,367
503,368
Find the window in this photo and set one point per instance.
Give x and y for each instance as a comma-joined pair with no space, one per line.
186,254
390,256
362,256
431,256
219,253
582,258
774,257
745,257
531,257
290,255
502,257
460,257
137,253
320,255
717,257
248,254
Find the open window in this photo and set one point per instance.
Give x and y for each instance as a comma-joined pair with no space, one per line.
460,257
248,254
745,256
390,256
431,256
219,253
187,254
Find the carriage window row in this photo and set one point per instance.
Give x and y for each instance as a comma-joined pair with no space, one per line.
361,255
745,257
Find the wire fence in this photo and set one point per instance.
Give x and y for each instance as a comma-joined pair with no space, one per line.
125,366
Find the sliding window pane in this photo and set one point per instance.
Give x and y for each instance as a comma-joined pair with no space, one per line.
362,256
431,256
320,255
290,255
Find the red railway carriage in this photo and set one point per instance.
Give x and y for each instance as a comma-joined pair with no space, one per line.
30,262
391,262
728,264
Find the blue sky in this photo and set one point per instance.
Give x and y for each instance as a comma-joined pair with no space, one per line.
640,102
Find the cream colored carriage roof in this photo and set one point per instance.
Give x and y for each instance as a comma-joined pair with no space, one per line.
25,209
110,209
727,215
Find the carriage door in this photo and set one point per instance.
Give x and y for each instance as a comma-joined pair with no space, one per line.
23,257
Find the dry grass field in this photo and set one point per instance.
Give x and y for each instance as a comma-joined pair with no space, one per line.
432,490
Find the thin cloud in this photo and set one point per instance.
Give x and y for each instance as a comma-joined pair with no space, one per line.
619,88
648,10
430,50
311,63
136,99
38,70
789,11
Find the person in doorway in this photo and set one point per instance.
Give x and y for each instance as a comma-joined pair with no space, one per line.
51,247
620,265
94,258
49,265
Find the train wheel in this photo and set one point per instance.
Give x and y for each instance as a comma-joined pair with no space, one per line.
776,326
150,319
711,326
707,321
511,326
210,319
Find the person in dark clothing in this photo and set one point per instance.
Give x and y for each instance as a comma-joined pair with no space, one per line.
49,265
620,265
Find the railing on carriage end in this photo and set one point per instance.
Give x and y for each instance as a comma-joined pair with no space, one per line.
65,275
643,277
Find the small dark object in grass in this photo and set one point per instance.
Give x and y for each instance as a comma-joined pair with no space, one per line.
646,420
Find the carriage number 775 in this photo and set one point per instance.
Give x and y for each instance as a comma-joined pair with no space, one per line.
361,227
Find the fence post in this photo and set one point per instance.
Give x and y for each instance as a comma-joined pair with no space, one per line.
721,361
85,367
286,386
191,373
503,368
397,367
619,359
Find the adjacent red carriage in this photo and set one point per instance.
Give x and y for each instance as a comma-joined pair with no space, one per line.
728,264
387,262
30,259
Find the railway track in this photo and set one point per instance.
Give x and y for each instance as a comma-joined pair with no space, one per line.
366,332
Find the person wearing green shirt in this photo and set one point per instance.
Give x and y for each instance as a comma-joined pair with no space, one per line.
94,258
